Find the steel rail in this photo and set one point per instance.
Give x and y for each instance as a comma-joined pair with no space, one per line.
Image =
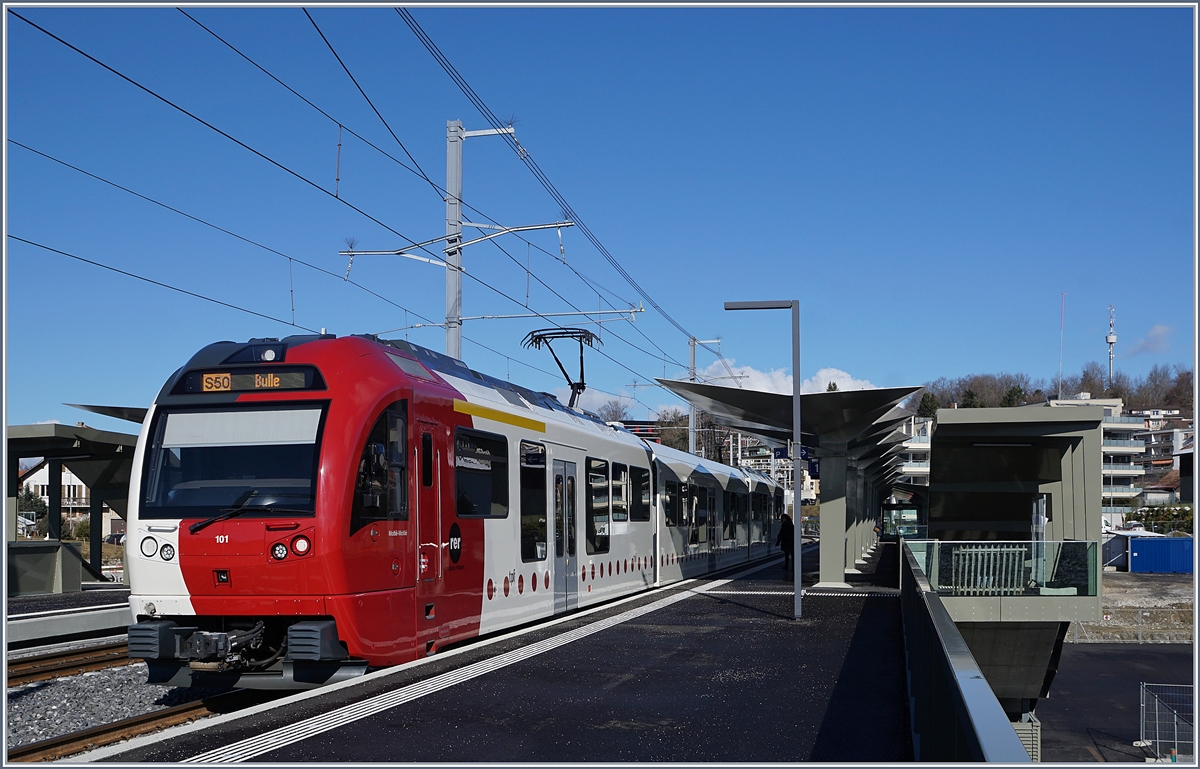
42,667
98,736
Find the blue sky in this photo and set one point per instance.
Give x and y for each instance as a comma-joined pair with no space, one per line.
927,181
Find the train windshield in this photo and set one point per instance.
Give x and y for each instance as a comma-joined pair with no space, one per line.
259,461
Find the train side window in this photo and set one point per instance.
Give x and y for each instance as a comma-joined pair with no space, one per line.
533,501
381,487
426,460
480,474
620,492
598,502
639,502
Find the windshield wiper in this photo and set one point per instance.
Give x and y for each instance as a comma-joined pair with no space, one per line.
242,504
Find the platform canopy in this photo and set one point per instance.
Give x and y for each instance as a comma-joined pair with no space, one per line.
841,416
100,459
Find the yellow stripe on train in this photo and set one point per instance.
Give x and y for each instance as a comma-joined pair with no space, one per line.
475,410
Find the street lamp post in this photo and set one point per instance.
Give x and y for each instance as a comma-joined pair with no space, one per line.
794,305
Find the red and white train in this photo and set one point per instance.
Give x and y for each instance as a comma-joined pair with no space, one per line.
301,509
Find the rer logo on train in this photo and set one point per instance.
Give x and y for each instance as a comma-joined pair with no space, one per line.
455,543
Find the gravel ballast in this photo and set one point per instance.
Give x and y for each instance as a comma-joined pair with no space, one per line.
46,709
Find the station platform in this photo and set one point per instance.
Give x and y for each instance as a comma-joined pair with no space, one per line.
712,669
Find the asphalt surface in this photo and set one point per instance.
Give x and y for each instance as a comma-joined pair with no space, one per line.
721,676
1094,707
61,601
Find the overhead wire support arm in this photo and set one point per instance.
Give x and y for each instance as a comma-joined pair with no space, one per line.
443,262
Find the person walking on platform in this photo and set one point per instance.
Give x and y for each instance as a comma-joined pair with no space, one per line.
786,539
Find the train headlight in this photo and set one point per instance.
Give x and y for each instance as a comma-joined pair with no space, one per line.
301,545
167,552
279,551
149,547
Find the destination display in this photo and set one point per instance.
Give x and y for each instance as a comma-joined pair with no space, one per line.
247,381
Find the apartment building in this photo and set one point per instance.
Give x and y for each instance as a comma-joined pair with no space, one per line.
1122,453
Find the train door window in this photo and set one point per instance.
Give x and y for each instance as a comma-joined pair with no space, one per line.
620,492
701,519
533,501
639,501
672,504
426,460
558,515
598,501
480,474
571,516
381,487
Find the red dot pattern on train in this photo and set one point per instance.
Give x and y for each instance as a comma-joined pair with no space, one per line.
637,562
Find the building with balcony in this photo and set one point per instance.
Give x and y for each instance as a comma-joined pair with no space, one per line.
1122,468
914,453
1162,443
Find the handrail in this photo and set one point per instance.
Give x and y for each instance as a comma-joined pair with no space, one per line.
955,714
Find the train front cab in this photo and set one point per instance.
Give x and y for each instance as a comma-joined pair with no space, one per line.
276,534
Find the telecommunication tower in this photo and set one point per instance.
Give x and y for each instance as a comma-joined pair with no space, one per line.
1112,340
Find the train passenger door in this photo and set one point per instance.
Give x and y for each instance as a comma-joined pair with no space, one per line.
429,534
565,560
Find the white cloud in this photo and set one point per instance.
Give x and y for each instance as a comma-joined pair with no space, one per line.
48,422
777,381
1155,341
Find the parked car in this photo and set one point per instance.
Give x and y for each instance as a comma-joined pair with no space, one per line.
114,539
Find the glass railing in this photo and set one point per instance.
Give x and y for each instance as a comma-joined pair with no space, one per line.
1112,442
1008,568
1122,468
917,439
1123,490
914,464
1125,420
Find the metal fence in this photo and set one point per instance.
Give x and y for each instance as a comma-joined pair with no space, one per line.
1167,729
1131,624
988,570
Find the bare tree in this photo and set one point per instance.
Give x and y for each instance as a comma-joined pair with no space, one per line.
614,410
673,428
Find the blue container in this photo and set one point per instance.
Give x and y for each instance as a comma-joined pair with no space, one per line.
1160,555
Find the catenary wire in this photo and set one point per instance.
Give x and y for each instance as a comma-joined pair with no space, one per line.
161,284
531,164
591,282
420,170
258,245
435,187
287,170
595,286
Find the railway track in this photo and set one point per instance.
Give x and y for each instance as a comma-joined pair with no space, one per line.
99,736
43,667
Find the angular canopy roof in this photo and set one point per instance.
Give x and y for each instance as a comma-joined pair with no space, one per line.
832,417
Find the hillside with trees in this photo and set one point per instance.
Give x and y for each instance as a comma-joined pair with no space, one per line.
1163,387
